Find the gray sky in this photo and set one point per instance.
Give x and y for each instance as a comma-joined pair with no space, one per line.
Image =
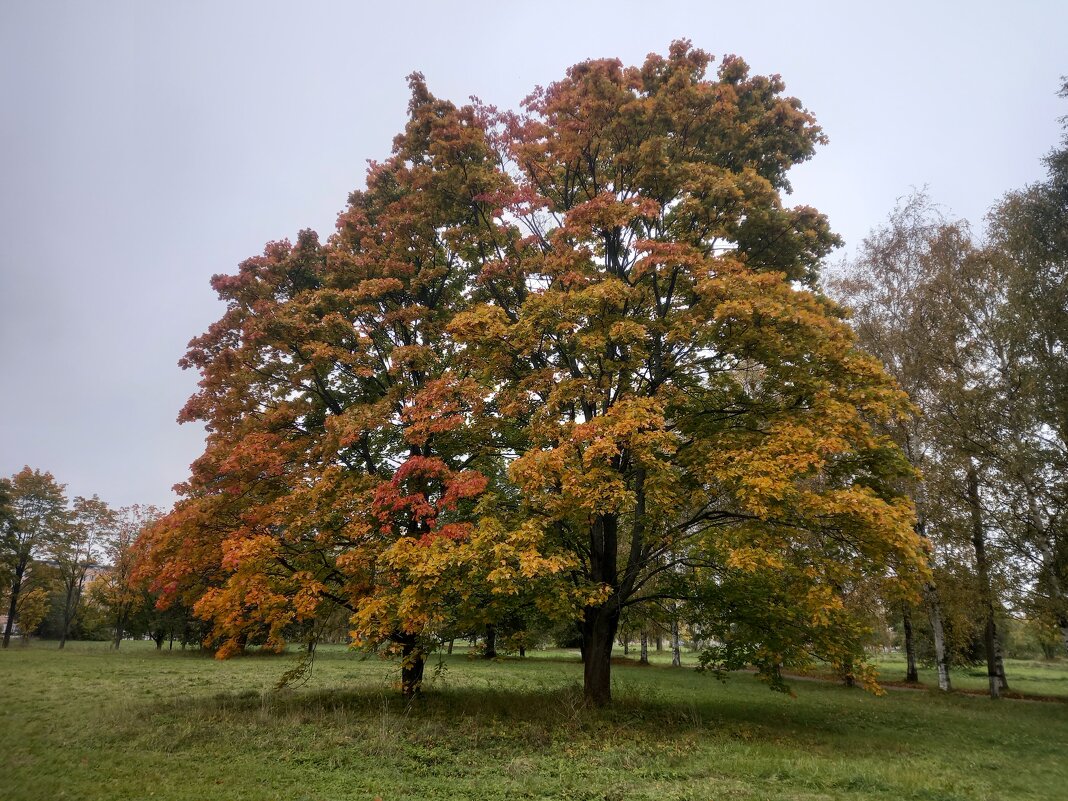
146,146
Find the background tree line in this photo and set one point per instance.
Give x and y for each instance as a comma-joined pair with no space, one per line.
66,568
975,329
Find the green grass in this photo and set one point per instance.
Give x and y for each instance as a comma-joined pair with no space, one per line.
1027,677
87,723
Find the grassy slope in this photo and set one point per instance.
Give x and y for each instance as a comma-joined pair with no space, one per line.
89,724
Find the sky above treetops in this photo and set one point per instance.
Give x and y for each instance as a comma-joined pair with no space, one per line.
146,147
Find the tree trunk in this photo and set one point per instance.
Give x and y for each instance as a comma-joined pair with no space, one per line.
491,642
449,651
999,662
934,612
120,624
848,677
995,671
911,674
522,651
70,607
659,643
413,659
645,649
16,587
66,618
598,634
676,649
626,646
990,636
601,623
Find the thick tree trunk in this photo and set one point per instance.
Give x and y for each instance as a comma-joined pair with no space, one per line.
449,650
911,674
491,642
413,660
16,587
626,646
645,649
659,643
120,624
1062,624
598,634
601,623
995,669
522,651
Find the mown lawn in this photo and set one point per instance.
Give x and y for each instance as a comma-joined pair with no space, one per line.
87,723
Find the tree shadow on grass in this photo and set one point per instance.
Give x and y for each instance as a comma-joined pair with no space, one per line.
530,718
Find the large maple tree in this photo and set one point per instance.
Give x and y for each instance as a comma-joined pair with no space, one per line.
569,358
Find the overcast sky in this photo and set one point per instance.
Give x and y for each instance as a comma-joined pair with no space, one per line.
145,146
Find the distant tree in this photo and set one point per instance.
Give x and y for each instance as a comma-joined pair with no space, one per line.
32,607
6,521
92,525
37,520
118,589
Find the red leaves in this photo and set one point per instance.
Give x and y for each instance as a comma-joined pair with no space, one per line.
441,405
422,490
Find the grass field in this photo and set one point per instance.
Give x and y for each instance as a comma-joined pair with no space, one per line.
87,723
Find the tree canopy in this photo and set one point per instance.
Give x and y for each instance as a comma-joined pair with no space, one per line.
568,360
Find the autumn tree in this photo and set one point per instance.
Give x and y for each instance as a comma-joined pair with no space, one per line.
679,393
548,359
118,589
346,451
32,607
37,520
